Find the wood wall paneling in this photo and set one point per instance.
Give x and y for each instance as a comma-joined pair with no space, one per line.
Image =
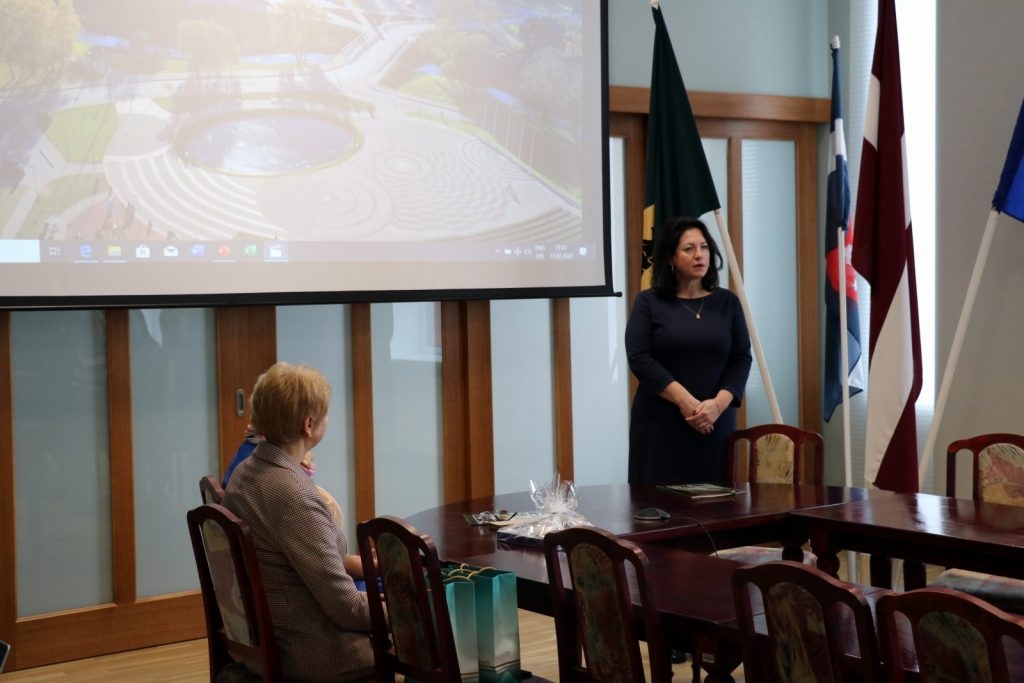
122,478
362,411
479,403
809,296
468,440
246,346
453,400
634,100
103,629
562,381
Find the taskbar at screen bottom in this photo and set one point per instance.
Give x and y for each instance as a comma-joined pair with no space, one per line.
271,251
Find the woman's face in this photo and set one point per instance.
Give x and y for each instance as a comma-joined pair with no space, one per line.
692,257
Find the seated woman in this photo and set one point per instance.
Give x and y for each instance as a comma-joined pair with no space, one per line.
353,564
321,620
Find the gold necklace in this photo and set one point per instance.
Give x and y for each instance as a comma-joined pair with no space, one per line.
699,308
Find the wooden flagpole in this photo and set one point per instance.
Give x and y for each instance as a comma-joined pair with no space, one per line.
755,342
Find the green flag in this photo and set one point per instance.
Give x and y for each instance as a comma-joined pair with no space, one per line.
678,180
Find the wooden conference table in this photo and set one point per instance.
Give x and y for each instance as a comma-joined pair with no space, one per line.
918,527
694,589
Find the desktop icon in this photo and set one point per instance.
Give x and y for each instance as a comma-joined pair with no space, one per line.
198,250
85,251
170,250
250,250
275,251
142,251
224,251
113,250
53,251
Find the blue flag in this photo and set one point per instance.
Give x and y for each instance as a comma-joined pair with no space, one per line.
837,214
1009,198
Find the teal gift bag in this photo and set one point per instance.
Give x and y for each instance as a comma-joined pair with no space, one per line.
497,621
497,624
460,593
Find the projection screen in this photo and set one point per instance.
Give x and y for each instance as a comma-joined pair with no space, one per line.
184,152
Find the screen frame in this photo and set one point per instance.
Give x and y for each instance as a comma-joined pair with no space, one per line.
378,295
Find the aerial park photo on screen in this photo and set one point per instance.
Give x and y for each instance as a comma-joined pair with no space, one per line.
235,129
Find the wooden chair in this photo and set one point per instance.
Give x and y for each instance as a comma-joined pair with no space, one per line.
776,454
5,649
799,624
997,476
594,611
238,625
955,636
210,489
997,467
415,637
773,454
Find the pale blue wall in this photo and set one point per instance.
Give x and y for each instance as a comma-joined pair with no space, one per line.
766,47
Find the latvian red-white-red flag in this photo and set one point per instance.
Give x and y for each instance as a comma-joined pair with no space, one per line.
883,253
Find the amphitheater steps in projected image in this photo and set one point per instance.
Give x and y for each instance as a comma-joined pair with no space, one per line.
195,205
209,206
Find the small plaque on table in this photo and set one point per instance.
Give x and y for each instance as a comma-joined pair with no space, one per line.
702,491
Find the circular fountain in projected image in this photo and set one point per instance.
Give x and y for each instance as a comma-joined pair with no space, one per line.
266,143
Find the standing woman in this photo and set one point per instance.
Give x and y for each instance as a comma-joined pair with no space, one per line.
687,344
321,621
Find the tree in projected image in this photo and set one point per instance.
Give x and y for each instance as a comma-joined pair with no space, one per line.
45,36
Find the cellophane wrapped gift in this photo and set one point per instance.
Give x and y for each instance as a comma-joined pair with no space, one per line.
556,502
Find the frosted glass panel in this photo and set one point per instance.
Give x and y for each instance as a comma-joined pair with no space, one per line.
522,393
61,460
319,336
407,407
769,241
174,439
600,374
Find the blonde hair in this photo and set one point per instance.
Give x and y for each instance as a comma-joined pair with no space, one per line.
284,396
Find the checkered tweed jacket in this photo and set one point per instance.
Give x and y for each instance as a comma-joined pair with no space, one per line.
321,621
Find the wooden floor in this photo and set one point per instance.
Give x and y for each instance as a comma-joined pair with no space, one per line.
187,663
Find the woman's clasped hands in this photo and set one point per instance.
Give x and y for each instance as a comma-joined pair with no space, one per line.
704,416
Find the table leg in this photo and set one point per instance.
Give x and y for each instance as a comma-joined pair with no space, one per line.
914,575
718,658
881,571
828,561
828,558
793,554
